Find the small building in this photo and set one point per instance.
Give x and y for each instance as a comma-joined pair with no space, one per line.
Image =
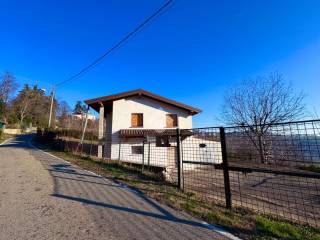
140,127
81,116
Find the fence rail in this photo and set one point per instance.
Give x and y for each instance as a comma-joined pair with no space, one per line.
273,169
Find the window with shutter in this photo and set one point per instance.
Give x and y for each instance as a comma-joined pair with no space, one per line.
136,120
171,120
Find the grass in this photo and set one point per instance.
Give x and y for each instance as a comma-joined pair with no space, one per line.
284,230
3,137
311,168
242,222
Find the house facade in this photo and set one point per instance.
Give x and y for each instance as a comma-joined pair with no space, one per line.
140,127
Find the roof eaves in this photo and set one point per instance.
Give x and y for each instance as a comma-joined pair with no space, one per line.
140,92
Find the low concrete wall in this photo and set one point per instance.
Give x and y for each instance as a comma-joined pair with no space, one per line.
17,131
12,131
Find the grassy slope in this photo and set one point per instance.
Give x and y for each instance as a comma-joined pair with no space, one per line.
4,137
243,223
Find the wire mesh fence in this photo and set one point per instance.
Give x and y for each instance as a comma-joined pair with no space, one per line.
70,140
273,169
201,151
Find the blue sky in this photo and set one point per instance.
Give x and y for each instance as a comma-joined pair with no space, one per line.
192,53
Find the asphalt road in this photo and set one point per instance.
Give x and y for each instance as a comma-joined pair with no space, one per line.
44,197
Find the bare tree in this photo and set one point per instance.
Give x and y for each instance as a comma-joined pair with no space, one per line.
8,86
315,113
259,102
64,112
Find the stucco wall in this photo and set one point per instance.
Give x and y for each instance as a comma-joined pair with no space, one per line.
210,153
154,113
158,156
152,155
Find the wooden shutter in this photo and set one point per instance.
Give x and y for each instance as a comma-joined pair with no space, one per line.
136,120
140,120
171,120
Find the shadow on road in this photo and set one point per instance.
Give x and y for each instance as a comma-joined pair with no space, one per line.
126,211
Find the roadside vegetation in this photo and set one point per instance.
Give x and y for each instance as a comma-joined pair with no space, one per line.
3,136
312,168
241,222
22,107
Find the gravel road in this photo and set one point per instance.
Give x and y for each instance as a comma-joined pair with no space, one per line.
44,197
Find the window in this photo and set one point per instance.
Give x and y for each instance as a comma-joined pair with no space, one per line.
162,141
137,149
171,120
136,120
202,145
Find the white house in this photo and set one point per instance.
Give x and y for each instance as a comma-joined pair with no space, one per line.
84,115
140,127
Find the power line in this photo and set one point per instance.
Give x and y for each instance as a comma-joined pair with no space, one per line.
84,70
153,16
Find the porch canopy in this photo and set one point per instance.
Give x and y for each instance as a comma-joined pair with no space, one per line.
140,133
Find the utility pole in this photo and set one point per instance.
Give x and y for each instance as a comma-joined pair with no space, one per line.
51,107
85,126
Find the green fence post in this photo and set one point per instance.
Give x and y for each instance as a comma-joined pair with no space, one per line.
179,159
225,165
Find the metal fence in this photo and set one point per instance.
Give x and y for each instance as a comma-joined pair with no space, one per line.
275,169
272,169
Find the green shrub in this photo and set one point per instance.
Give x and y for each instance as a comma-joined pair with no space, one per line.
76,134
46,135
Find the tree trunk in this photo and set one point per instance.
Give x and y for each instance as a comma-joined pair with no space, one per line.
261,149
21,121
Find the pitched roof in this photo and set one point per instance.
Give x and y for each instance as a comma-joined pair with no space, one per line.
94,103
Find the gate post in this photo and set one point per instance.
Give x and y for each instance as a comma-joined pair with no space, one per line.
119,155
179,159
225,165
143,144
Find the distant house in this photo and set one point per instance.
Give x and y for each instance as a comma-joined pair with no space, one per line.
140,117
82,116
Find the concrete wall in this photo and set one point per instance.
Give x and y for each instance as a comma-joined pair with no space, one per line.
12,131
17,131
191,150
152,155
